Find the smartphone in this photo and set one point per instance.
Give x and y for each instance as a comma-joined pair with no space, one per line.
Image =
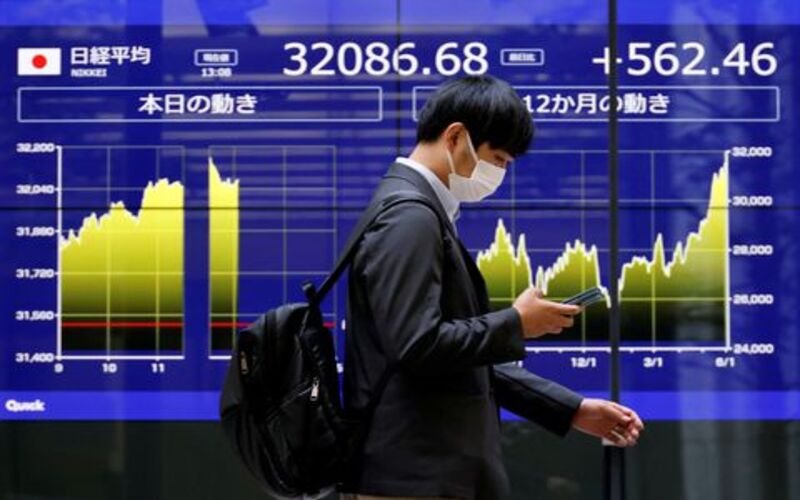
586,297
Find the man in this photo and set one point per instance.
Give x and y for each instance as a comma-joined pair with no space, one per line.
419,318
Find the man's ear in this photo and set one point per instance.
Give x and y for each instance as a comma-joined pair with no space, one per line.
451,134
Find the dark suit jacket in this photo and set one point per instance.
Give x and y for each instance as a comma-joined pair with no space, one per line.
417,301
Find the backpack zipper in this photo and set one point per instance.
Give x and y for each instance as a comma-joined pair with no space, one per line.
314,389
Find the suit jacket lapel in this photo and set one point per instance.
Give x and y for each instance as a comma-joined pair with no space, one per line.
479,284
399,171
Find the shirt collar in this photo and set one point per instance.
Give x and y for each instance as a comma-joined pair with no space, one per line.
446,198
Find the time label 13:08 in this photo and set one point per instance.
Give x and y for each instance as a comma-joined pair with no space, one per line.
379,58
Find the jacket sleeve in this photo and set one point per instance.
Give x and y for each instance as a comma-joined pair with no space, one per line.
535,398
401,268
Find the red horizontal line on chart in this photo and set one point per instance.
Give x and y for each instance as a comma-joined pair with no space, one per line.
242,324
157,324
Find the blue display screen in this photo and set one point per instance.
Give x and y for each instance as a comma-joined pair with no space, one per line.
170,172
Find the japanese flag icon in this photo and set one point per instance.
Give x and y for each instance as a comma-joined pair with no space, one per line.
36,62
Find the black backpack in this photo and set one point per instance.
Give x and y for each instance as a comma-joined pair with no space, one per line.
280,405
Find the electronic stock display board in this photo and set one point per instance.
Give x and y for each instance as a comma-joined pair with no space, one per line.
170,170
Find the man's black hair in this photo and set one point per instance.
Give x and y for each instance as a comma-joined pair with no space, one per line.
487,106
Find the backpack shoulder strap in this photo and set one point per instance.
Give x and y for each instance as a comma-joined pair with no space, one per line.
314,295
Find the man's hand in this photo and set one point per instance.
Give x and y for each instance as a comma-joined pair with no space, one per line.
541,316
608,420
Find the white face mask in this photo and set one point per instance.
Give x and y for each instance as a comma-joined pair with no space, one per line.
485,178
